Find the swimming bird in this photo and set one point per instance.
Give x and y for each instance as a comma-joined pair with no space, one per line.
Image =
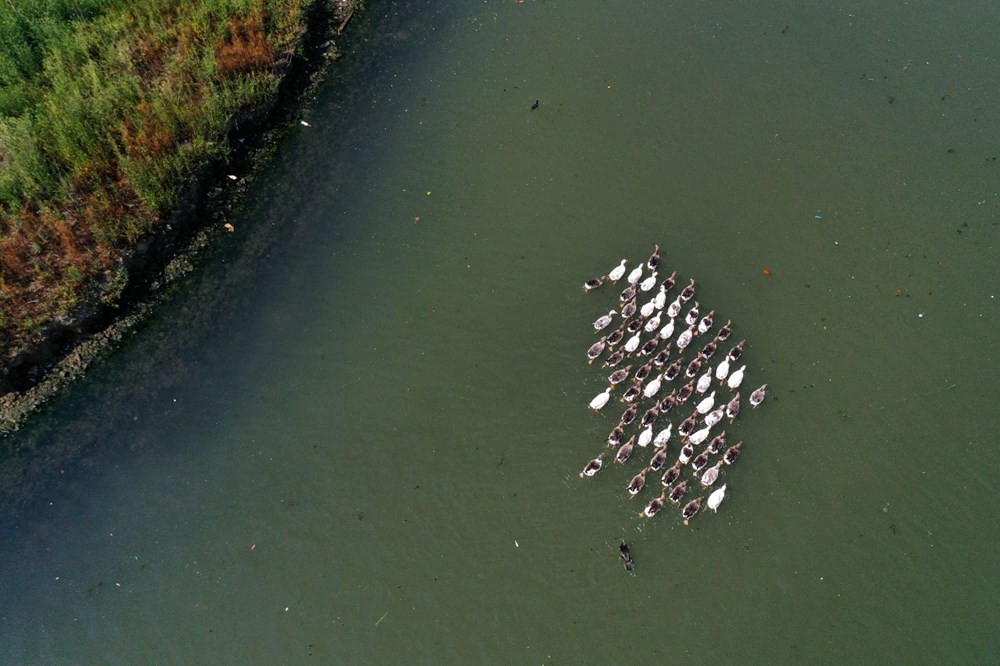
687,425
653,323
635,325
724,332
633,343
690,509
635,275
664,435
637,483
617,272
736,378
667,331
733,408
596,349
691,318
674,369
705,325
660,300
674,308
603,321
628,309
655,505
644,371
615,437
686,452
668,402
757,396
616,335
649,418
715,499
628,293
684,339
662,356
646,436
685,392
714,416
601,399
732,454
704,381
722,371
735,353
626,556
618,376
677,494
708,351
649,347
699,462
694,367
625,451
711,474
648,308
593,467
594,283
614,359
705,406
629,415
648,283
688,292
632,392
654,259
669,283
672,474
659,459
699,436
717,443
652,387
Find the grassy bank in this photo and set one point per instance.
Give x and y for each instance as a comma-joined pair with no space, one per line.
107,110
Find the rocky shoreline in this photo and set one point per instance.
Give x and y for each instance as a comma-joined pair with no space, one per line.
66,348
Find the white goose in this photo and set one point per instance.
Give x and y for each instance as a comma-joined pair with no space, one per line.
705,406
660,301
633,343
601,399
647,308
704,382
699,436
736,378
652,324
715,499
645,437
667,331
663,436
617,272
648,283
722,371
636,273
653,387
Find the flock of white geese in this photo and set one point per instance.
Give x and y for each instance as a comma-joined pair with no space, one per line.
650,332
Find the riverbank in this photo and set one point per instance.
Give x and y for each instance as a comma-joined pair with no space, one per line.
73,276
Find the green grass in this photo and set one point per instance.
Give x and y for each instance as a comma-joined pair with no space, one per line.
107,108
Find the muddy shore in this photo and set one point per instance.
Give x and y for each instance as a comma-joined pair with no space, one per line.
66,348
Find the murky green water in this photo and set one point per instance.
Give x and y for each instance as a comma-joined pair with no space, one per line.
355,434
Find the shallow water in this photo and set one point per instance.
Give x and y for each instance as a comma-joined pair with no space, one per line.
355,434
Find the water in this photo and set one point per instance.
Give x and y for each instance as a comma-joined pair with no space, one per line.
355,434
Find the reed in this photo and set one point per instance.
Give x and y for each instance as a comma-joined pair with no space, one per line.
107,108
